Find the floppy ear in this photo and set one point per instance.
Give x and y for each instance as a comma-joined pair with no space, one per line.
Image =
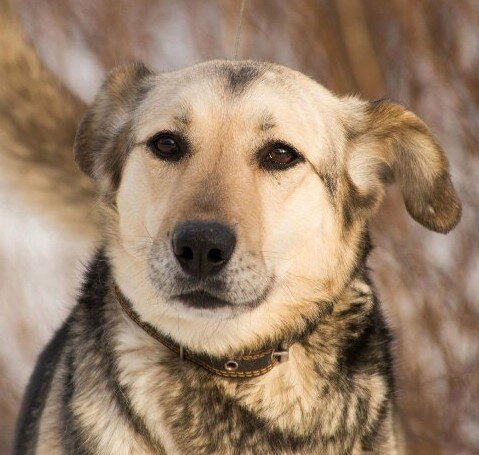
104,135
393,144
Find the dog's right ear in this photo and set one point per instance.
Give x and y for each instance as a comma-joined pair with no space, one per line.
393,144
102,139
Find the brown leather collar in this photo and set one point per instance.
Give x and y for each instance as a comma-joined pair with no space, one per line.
246,366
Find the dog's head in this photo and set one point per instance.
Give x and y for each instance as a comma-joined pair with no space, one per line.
238,193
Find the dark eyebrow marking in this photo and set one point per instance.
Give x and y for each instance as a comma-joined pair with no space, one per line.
182,120
267,122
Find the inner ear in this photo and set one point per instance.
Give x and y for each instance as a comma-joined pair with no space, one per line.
390,144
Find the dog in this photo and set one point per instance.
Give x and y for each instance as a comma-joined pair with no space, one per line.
229,308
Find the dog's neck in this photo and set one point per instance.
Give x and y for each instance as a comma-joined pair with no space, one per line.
248,365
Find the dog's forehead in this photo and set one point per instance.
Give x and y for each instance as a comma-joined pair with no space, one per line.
253,95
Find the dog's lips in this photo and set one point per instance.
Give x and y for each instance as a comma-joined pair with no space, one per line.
202,300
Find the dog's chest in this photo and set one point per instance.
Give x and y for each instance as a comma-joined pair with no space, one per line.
292,409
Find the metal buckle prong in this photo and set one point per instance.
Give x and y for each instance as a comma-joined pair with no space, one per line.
282,356
182,352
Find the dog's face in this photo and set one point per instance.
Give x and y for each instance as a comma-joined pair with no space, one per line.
238,193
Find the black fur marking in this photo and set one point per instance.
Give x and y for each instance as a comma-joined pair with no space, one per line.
371,341
240,77
122,396
356,205
330,182
92,296
37,393
371,352
369,439
71,437
226,415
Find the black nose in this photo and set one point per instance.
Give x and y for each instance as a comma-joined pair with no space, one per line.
203,247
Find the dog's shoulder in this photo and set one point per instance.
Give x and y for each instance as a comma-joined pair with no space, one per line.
38,388
36,394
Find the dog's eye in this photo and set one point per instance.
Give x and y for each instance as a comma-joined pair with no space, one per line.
166,146
279,157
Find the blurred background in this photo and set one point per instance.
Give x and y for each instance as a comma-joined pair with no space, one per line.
421,53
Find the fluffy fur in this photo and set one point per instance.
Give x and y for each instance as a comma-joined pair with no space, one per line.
301,256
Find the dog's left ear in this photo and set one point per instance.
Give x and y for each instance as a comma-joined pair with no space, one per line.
102,138
390,143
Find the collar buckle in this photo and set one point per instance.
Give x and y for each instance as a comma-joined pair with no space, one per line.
282,356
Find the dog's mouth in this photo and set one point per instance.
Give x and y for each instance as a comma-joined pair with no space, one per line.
202,300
